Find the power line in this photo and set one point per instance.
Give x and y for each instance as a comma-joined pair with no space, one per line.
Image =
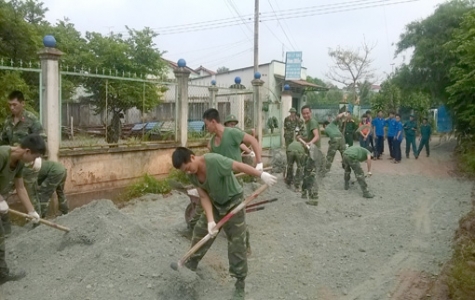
243,22
278,22
368,4
286,25
211,47
219,61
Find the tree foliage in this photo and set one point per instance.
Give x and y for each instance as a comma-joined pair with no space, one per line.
462,92
333,96
222,70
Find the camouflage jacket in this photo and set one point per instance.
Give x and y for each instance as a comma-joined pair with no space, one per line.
290,125
12,134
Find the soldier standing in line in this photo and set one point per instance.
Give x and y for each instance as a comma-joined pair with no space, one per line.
336,142
219,192
352,157
410,130
290,123
426,132
17,126
312,136
295,155
51,178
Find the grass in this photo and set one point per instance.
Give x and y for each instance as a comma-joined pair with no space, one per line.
461,274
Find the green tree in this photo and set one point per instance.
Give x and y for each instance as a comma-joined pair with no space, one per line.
222,70
461,99
388,98
136,55
428,68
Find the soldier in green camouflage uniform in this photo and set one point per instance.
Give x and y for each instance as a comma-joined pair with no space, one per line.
312,136
295,155
349,128
16,127
51,178
336,142
290,123
351,161
219,191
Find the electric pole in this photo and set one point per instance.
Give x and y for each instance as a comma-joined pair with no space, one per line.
256,36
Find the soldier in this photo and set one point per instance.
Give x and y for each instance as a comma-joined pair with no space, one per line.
378,132
410,129
51,178
290,123
351,161
425,138
12,160
227,142
397,139
219,192
17,126
312,136
231,121
295,155
349,128
336,142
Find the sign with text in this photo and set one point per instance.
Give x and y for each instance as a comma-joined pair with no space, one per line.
293,65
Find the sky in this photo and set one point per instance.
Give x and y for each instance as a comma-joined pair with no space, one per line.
310,26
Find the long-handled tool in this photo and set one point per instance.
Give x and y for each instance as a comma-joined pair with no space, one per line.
261,202
249,210
181,262
42,221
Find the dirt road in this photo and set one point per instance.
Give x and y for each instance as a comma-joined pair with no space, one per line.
347,247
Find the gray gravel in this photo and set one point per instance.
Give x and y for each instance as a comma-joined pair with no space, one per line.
348,247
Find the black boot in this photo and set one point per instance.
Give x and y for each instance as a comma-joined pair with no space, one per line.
12,276
239,292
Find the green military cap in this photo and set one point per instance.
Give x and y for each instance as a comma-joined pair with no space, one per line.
292,110
230,118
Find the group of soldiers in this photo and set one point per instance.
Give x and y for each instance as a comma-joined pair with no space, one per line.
22,169
302,140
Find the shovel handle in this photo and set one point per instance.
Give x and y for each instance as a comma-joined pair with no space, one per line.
226,218
42,221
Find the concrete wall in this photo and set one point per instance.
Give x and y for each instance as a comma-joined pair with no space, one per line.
113,168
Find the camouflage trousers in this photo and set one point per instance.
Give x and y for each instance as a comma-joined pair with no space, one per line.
54,182
310,184
334,145
235,230
3,263
288,139
30,178
294,157
353,164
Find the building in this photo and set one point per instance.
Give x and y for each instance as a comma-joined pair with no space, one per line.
273,75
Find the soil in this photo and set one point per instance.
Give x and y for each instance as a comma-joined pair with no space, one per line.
347,247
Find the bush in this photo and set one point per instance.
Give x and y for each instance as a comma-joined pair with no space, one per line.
147,185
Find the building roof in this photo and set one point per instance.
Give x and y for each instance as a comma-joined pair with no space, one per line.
174,65
308,86
206,70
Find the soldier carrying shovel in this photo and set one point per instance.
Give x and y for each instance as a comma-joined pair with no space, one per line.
220,192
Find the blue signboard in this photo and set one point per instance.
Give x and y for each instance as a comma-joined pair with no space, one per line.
293,65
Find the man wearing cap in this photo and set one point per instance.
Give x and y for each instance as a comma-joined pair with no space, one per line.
290,123
336,142
231,121
410,129
352,157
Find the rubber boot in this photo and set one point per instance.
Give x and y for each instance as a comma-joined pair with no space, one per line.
239,291
12,276
347,185
63,208
313,199
304,194
248,245
367,194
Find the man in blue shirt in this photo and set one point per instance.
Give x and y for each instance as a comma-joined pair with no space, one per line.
397,139
378,132
391,123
